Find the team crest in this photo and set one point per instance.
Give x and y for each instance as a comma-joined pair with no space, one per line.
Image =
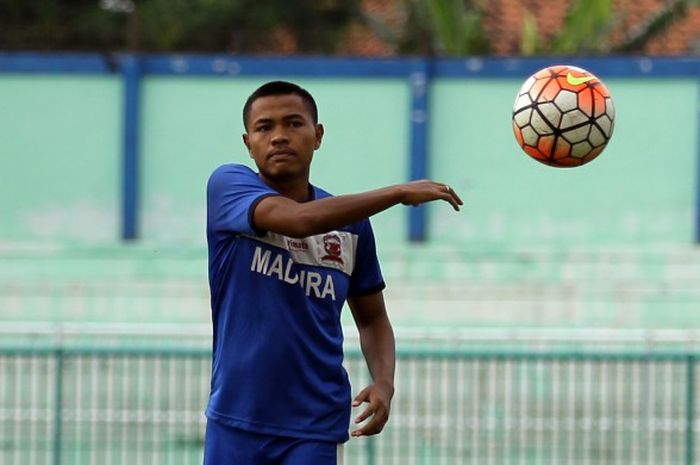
332,246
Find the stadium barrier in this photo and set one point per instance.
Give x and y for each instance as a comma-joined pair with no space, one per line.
107,405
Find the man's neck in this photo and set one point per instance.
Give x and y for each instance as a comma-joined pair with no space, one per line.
298,190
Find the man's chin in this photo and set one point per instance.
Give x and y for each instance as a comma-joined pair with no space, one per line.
282,173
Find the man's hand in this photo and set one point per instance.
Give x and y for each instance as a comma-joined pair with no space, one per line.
418,192
379,399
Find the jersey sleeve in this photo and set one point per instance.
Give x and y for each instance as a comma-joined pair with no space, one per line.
367,276
233,191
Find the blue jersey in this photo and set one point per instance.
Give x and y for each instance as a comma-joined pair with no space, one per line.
276,303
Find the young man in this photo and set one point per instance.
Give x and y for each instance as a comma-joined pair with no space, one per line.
284,256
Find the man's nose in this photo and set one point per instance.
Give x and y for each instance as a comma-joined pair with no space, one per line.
279,136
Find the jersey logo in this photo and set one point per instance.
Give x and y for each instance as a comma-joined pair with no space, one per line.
334,249
577,81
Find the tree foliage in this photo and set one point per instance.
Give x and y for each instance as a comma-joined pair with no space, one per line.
430,27
589,25
455,27
437,27
587,28
314,26
672,12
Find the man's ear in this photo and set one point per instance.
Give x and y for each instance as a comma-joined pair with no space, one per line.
247,144
319,135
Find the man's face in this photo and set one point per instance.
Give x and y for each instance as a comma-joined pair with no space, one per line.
281,136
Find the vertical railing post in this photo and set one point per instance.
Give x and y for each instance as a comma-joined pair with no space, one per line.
371,451
690,411
131,72
58,408
419,80
696,207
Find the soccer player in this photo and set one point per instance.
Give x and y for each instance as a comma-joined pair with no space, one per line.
284,256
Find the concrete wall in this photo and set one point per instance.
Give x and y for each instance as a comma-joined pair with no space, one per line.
60,169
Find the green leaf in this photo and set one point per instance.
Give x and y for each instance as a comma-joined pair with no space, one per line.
586,28
530,35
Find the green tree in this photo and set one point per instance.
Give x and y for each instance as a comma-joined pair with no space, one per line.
437,27
314,26
588,28
664,18
455,27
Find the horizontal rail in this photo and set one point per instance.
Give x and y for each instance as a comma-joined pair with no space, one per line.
224,65
355,352
429,335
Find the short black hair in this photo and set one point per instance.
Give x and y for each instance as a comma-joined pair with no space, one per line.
280,88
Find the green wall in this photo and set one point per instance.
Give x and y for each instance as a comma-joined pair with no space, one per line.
640,190
191,126
60,160
60,152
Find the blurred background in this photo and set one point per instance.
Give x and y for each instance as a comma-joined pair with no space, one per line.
555,319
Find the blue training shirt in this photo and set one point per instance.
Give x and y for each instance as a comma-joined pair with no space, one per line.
276,304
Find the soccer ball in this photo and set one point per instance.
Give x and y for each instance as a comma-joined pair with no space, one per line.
563,116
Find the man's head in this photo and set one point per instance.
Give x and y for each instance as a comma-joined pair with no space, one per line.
282,130
274,88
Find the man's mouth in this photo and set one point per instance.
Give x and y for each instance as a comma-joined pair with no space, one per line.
281,155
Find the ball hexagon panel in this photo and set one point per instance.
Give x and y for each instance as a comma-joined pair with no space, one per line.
581,149
522,102
540,125
609,108
522,118
596,137
529,135
573,118
566,100
551,113
606,124
577,135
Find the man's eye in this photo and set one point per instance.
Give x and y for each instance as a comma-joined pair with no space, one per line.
296,124
262,128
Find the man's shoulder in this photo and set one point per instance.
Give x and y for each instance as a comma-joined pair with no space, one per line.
320,193
232,168
225,174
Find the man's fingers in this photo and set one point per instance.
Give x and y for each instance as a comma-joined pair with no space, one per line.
451,199
447,193
367,430
454,203
377,412
363,396
374,426
457,198
365,414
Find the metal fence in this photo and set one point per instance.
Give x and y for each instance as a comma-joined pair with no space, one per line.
86,405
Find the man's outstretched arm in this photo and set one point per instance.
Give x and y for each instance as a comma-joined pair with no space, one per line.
377,342
286,216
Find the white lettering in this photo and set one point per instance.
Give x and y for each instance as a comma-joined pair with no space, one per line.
309,281
328,288
288,276
313,279
276,267
260,261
